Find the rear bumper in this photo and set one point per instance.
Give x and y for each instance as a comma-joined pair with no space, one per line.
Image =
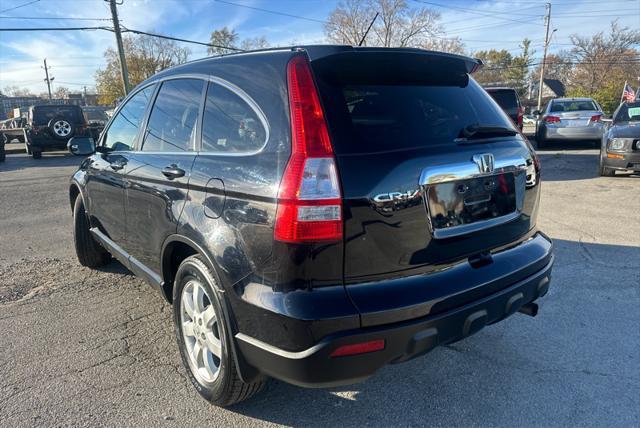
578,133
314,367
630,161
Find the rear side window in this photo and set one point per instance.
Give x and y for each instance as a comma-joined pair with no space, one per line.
230,124
172,122
43,114
384,117
628,112
505,99
568,106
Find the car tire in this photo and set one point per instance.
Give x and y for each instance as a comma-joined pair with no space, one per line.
606,171
201,332
89,252
36,154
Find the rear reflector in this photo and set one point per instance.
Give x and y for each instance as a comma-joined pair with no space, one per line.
552,119
359,348
309,198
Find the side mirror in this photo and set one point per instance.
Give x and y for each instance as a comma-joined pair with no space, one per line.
81,146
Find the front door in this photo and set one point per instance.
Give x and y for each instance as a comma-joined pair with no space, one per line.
158,174
105,173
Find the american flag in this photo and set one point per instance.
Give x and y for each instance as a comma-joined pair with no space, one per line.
628,94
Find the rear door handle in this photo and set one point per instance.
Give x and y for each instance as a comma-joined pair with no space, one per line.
172,171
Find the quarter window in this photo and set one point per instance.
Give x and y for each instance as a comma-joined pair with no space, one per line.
172,123
230,124
124,127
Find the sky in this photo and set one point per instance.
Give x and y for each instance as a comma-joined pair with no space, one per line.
74,56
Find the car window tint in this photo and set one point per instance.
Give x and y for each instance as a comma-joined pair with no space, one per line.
172,122
43,114
230,124
569,106
124,127
628,112
505,99
391,117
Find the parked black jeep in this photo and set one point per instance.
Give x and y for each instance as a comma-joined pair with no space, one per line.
49,127
314,213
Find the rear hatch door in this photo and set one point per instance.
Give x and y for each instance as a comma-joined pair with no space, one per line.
420,193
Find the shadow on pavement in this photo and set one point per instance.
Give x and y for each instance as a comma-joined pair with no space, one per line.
48,160
489,376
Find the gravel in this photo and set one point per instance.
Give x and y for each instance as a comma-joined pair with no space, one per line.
96,347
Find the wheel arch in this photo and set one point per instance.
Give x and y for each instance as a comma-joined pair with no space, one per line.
175,249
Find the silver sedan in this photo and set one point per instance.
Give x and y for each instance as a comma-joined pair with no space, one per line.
570,119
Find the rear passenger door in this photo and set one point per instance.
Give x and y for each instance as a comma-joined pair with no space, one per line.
159,171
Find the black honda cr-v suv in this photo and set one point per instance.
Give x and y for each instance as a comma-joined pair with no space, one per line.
314,213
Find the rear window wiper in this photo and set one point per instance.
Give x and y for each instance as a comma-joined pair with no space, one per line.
471,132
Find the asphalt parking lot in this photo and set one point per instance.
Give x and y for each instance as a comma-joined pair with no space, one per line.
83,347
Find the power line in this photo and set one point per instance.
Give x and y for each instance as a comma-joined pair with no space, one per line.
57,29
477,12
274,12
128,30
54,18
19,6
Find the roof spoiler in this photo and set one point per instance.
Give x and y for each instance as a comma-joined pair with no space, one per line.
453,62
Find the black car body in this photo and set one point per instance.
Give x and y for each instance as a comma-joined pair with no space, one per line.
356,206
620,148
508,99
50,127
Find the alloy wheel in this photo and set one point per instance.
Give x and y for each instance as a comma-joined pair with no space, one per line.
200,331
62,128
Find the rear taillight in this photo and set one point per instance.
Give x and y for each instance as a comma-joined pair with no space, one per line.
309,198
552,119
520,115
596,118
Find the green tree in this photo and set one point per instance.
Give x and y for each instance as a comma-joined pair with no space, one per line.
145,56
496,66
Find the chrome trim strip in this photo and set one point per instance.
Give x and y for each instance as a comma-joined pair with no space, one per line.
464,229
467,170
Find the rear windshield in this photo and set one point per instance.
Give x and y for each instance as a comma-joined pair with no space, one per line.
43,114
505,99
383,117
628,112
568,106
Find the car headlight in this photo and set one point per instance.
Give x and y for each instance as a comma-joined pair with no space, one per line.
617,143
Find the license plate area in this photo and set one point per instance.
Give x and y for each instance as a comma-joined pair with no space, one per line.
463,206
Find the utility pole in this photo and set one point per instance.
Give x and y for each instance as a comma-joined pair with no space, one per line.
547,21
123,62
47,79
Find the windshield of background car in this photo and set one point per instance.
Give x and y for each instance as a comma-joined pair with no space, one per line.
569,106
505,99
380,116
42,115
628,112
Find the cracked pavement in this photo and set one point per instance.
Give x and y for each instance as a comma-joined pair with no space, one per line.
97,348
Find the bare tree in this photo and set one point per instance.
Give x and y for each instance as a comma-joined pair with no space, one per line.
601,56
450,45
61,92
398,25
145,57
254,43
16,91
225,40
